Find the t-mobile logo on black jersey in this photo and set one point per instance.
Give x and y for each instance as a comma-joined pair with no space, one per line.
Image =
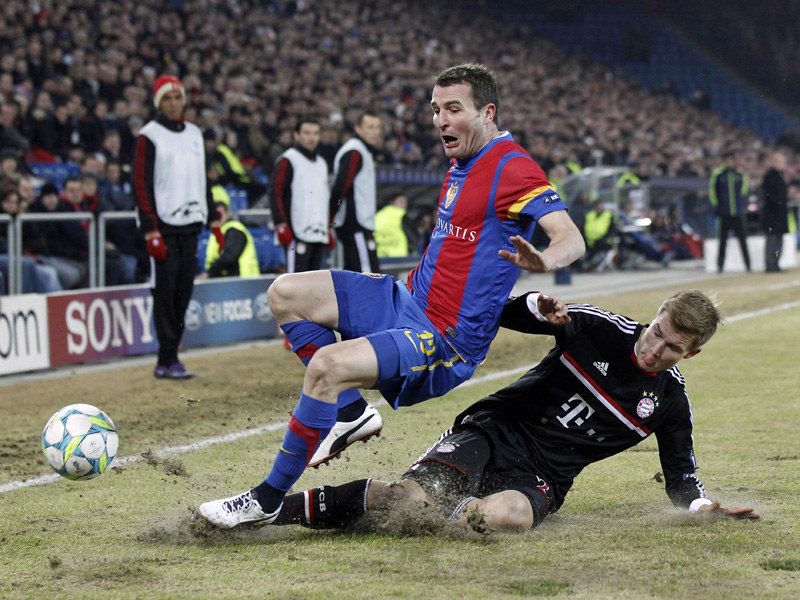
577,412
455,230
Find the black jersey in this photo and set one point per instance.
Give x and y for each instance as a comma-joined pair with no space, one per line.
587,400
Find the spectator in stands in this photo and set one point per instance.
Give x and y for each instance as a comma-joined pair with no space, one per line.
280,144
173,202
38,119
123,233
60,244
596,109
218,191
231,170
423,228
10,135
727,192
112,146
120,268
27,192
674,233
37,278
637,236
599,231
354,189
119,192
236,256
301,200
58,133
775,211
390,228
9,167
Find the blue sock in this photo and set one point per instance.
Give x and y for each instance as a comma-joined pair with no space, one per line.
306,338
310,423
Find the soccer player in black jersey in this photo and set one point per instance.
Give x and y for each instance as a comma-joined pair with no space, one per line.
510,459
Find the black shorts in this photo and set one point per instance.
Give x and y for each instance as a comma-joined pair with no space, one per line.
461,464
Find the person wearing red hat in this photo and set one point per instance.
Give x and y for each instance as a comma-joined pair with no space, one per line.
173,202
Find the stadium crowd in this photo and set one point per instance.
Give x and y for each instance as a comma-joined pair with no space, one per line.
756,39
76,78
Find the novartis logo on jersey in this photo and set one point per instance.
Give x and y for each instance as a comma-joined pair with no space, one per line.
456,231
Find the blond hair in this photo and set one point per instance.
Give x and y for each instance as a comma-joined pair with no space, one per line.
693,313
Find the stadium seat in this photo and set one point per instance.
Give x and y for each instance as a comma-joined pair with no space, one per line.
238,198
55,173
270,255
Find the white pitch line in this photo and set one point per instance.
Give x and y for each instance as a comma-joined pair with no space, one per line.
15,485
763,311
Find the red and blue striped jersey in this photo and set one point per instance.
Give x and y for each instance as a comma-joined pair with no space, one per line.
461,282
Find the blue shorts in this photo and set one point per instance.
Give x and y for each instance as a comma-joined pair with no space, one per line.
415,361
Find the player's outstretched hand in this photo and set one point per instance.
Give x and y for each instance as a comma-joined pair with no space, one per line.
553,309
735,512
526,257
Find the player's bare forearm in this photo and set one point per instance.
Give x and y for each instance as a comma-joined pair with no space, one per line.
565,248
561,252
566,242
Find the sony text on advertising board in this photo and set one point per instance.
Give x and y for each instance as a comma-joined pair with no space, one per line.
99,324
91,325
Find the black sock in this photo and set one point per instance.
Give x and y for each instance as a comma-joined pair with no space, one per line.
267,496
352,411
325,507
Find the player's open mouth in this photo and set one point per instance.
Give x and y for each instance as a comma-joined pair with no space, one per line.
449,140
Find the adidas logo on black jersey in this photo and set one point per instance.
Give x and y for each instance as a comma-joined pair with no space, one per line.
602,367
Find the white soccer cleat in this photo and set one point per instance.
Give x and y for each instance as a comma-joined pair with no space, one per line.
236,510
344,433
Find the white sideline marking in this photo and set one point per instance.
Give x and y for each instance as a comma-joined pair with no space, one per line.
763,311
15,485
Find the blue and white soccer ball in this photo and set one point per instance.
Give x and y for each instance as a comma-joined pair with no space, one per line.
79,441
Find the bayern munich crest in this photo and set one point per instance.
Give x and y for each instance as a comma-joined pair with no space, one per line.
645,407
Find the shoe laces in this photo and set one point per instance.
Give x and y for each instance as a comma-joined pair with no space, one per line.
240,502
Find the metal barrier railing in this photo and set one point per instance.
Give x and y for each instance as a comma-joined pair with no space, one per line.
102,226
97,229
254,212
14,257
11,284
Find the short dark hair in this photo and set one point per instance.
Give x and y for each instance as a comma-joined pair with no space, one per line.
364,114
305,121
481,80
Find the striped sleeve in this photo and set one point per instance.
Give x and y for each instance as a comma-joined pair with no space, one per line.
525,191
143,183
282,192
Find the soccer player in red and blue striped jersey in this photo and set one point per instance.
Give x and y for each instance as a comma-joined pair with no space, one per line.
416,340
